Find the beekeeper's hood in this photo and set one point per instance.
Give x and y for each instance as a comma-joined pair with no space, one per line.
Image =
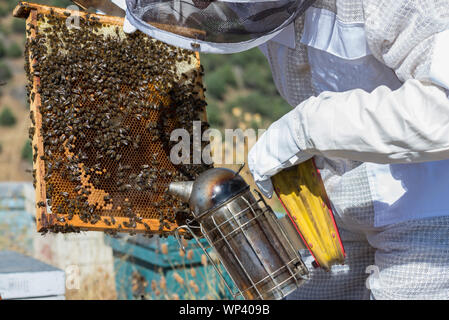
214,26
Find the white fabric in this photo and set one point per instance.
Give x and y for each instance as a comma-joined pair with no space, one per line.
276,149
396,260
387,123
438,71
120,3
323,31
286,37
406,63
408,260
128,27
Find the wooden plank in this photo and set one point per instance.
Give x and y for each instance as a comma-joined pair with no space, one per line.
38,165
24,9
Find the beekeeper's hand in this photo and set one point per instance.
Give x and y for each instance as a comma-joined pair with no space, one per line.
275,150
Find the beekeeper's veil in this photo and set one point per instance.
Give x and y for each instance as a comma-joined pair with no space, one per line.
215,26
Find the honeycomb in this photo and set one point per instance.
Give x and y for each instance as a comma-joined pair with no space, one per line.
103,105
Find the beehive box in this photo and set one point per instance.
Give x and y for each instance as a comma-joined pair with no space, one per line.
103,105
22,277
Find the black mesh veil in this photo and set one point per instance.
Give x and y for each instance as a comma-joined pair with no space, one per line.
214,26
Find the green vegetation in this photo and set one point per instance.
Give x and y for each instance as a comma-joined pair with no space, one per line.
258,77
2,50
7,118
1,148
11,4
3,11
60,3
4,29
214,116
271,107
249,74
18,26
5,72
14,51
27,152
218,81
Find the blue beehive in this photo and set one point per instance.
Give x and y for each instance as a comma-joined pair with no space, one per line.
141,264
17,215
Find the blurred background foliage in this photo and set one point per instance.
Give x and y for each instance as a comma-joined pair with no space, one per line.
7,118
240,91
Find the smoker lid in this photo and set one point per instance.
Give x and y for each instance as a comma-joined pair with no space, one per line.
213,188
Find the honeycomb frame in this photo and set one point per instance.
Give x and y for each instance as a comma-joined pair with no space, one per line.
45,218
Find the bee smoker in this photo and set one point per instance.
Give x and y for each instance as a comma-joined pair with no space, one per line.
250,243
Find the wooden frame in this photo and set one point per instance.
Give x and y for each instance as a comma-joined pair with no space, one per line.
45,219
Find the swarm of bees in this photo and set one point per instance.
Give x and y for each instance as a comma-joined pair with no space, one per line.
108,103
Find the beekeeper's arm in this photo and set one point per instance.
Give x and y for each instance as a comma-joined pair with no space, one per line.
410,124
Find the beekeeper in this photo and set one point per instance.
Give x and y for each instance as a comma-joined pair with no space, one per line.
369,83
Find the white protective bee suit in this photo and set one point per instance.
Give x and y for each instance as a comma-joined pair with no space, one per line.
369,83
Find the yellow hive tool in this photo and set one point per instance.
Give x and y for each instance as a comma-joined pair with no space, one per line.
301,192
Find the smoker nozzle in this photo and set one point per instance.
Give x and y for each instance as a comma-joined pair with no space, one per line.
181,189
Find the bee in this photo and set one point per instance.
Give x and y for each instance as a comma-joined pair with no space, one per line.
195,45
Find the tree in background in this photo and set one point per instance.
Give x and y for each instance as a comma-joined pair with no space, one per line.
18,26
5,72
14,51
27,152
2,50
3,11
7,118
214,115
219,80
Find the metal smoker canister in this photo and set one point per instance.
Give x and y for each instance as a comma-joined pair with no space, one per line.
245,233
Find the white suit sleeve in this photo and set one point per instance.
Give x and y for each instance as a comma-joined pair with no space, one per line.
410,124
